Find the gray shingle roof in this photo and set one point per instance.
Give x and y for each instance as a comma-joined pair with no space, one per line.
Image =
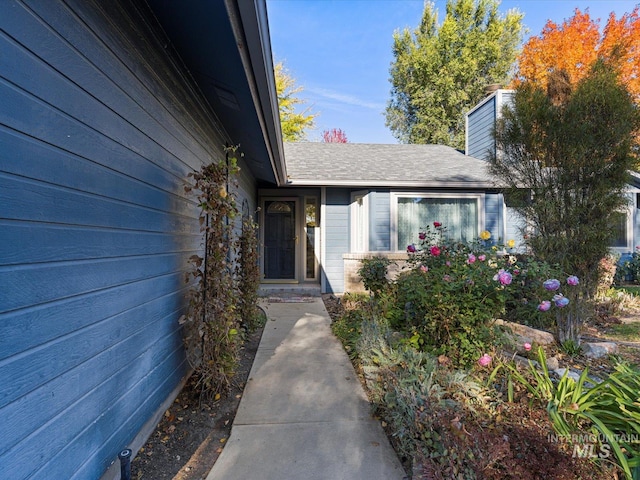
365,164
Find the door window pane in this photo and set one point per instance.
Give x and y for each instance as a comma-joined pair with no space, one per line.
311,219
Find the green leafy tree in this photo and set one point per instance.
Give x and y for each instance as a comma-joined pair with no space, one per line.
294,124
564,153
440,72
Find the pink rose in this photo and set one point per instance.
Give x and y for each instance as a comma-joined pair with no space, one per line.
437,224
471,258
435,251
422,235
484,360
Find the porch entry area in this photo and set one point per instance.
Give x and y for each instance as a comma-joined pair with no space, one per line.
289,231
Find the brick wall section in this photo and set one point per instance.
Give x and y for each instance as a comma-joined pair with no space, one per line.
352,263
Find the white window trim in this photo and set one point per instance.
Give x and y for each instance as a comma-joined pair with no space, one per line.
394,196
355,233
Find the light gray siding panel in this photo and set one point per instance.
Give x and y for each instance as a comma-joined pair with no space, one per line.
379,221
337,237
493,215
515,224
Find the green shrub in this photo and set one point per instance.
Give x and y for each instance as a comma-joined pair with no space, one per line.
629,269
451,294
374,274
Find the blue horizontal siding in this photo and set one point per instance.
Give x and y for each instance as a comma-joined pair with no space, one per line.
99,130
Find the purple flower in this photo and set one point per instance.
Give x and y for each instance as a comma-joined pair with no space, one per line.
551,284
411,248
560,300
572,280
422,235
544,306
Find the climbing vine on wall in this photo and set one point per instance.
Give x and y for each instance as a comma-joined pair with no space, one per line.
218,299
248,273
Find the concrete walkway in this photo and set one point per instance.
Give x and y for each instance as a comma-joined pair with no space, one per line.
304,414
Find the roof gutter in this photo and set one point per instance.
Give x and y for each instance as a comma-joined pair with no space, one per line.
389,184
255,52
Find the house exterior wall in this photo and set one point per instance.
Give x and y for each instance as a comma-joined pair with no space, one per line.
336,225
341,266
99,131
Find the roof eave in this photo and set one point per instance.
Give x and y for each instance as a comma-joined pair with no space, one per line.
251,29
391,184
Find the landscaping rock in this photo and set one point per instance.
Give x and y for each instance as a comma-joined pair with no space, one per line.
553,364
599,349
528,334
573,375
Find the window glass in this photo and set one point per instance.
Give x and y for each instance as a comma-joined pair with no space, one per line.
458,215
619,229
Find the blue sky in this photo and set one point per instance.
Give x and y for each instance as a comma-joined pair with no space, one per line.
339,51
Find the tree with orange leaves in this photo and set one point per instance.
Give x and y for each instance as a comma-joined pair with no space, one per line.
576,44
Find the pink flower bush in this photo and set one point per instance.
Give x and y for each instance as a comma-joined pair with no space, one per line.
484,360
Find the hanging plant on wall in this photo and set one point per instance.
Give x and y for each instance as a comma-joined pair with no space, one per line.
212,323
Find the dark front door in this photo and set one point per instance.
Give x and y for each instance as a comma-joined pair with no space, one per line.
280,240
